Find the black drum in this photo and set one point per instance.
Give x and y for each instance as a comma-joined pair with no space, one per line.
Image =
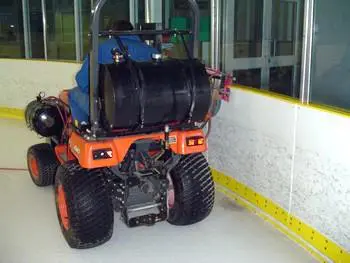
146,94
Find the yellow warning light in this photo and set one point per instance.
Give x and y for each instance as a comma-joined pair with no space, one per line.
191,142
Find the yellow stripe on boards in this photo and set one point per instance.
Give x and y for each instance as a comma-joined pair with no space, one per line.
242,202
11,113
298,231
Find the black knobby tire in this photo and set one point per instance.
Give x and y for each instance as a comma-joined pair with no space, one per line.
89,206
194,190
42,164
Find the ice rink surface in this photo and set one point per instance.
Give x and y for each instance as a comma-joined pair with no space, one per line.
29,230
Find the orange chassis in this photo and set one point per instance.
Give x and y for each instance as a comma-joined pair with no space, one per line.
180,142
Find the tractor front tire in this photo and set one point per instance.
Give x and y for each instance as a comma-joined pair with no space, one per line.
194,190
42,164
84,206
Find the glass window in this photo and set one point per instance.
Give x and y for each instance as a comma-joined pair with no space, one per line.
112,10
248,77
86,15
330,77
11,29
174,47
248,28
181,8
181,18
281,80
36,29
60,29
141,11
264,37
283,28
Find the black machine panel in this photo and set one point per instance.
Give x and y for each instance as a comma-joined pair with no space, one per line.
146,94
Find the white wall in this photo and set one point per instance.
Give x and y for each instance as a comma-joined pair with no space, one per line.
321,183
296,156
22,80
252,141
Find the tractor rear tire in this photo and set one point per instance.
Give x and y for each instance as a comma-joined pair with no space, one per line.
84,206
42,164
194,190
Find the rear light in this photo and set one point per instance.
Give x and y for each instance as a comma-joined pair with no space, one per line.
102,154
195,141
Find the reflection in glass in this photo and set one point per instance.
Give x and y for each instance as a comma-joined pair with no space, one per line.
112,10
283,28
330,76
11,29
248,77
36,29
248,28
181,18
281,80
174,47
60,29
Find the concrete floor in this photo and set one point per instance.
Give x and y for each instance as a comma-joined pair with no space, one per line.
29,230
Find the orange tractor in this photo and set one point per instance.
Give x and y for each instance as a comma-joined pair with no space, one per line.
141,154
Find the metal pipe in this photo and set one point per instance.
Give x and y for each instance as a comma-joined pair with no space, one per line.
143,32
195,27
306,60
26,29
215,34
137,208
94,67
43,10
166,14
133,11
78,30
297,49
148,12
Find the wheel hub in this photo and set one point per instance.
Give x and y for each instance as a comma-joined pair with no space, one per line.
33,166
62,207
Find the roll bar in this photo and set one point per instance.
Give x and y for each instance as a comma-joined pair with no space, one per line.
94,65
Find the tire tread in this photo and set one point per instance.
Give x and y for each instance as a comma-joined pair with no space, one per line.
89,204
47,163
194,190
